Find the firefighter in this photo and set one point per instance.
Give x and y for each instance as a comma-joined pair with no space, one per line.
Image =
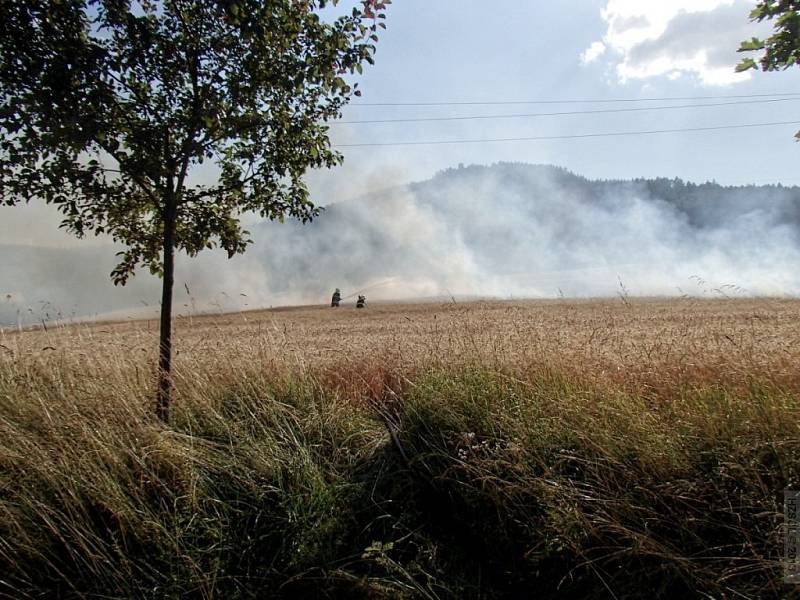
336,298
362,301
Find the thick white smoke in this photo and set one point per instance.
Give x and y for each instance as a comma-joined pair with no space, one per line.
522,230
506,230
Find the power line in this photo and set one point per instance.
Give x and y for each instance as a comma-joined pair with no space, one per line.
565,137
573,101
561,113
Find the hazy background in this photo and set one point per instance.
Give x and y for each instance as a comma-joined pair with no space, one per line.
508,230
501,231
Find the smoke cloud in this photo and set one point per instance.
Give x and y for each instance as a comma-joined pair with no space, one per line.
508,230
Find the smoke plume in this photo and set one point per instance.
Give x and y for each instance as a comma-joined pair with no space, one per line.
507,230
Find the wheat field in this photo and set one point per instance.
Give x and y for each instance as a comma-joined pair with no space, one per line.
635,343
626,447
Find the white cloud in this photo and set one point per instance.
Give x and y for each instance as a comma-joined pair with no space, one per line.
654,38
593,52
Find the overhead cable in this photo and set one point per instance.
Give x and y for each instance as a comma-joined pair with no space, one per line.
560,113
574,100
565,137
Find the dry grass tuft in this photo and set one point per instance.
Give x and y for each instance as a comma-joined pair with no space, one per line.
593,448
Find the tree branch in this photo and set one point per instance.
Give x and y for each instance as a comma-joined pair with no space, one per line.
136,179
249,176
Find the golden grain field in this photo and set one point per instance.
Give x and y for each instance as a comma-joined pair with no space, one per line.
637,343
425,450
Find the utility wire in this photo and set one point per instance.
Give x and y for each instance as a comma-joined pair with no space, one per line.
561,113
565,137
573,101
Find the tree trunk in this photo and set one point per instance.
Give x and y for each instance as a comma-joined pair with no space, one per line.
164,397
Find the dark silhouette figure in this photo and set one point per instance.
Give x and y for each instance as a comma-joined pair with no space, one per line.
336,298
361,302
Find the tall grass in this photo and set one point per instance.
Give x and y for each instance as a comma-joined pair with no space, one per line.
494,486
376,477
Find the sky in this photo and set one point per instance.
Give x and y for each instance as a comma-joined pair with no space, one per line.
544,53
569,50
472,51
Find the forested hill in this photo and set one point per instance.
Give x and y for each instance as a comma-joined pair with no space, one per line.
503,230
537,230
706,204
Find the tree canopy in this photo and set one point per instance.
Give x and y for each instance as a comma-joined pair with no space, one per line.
781,50
108,106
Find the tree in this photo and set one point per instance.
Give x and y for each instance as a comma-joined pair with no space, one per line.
109,106
781,50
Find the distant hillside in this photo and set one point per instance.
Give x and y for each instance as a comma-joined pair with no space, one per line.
502,230
517,229
705,205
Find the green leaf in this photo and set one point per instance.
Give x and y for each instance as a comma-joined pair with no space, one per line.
746,64
751,45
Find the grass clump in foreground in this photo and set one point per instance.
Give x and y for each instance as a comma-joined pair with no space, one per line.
493,486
